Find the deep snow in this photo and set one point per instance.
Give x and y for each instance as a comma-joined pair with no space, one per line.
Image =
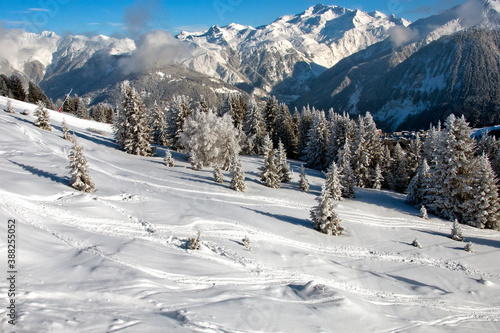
116,260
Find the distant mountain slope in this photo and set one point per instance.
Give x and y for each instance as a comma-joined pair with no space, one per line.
284,56
413,71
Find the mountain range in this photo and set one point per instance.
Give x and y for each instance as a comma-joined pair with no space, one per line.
406,74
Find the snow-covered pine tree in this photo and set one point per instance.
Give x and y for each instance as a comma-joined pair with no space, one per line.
132,126
413,156
303,183
218,176
169,161
456,232
271,114
43,117
332,183
347,179
255,129
417,187
158,126
324,217
481,206
270,171
469,247
416,243
304,126
341,130
9,108
398,171
179,111
209,139
286,130
283,165
237,175
361,161
78,165
81,109
423,213
316,150
378,178
66,135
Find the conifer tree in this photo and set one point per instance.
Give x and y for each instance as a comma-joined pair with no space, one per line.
9,108
416,243
158,125
469,247
341,130
456,232
218,176
286,130
378,178
78,165
131,129
481,205
418,185
179,111
65,129
304,126
255,130
97,113
316,150
324,217
43,117
16,88
169,161
81,109
270,171
237,175
332,183
347,179
398,176
303,183
423,213
35,94
271,115
284,167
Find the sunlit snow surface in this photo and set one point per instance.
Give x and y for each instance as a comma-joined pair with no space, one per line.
116,260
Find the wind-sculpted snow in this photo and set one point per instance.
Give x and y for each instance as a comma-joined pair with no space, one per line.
118,260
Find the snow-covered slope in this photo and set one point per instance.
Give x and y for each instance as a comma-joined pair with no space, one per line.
291,50
116,259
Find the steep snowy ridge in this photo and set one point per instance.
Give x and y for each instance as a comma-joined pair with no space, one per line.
117,259
421,68
295,48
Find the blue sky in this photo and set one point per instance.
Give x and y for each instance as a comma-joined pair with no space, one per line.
130,18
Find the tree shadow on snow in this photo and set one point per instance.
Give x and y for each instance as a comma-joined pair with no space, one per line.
41,173
474,240
305,223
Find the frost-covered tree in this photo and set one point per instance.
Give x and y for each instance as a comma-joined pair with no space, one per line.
332,183
270,171
286,130
237,175
132,125
218,176
16,88
413,156
303,183
423,213
378,178
42,117
469,247
9,108
81,110
158,126
179,111
169,161
255,130
303,128
399,178
417,187
209,139
347,179
271,115
284,167
78,166
316,150
341,130
65,129
324,217
456,232
481,207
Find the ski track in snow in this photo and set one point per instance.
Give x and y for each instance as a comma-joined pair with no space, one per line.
173,238
259,274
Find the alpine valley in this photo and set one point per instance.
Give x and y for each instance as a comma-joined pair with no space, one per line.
406,74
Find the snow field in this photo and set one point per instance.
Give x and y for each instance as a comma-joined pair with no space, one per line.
117,259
